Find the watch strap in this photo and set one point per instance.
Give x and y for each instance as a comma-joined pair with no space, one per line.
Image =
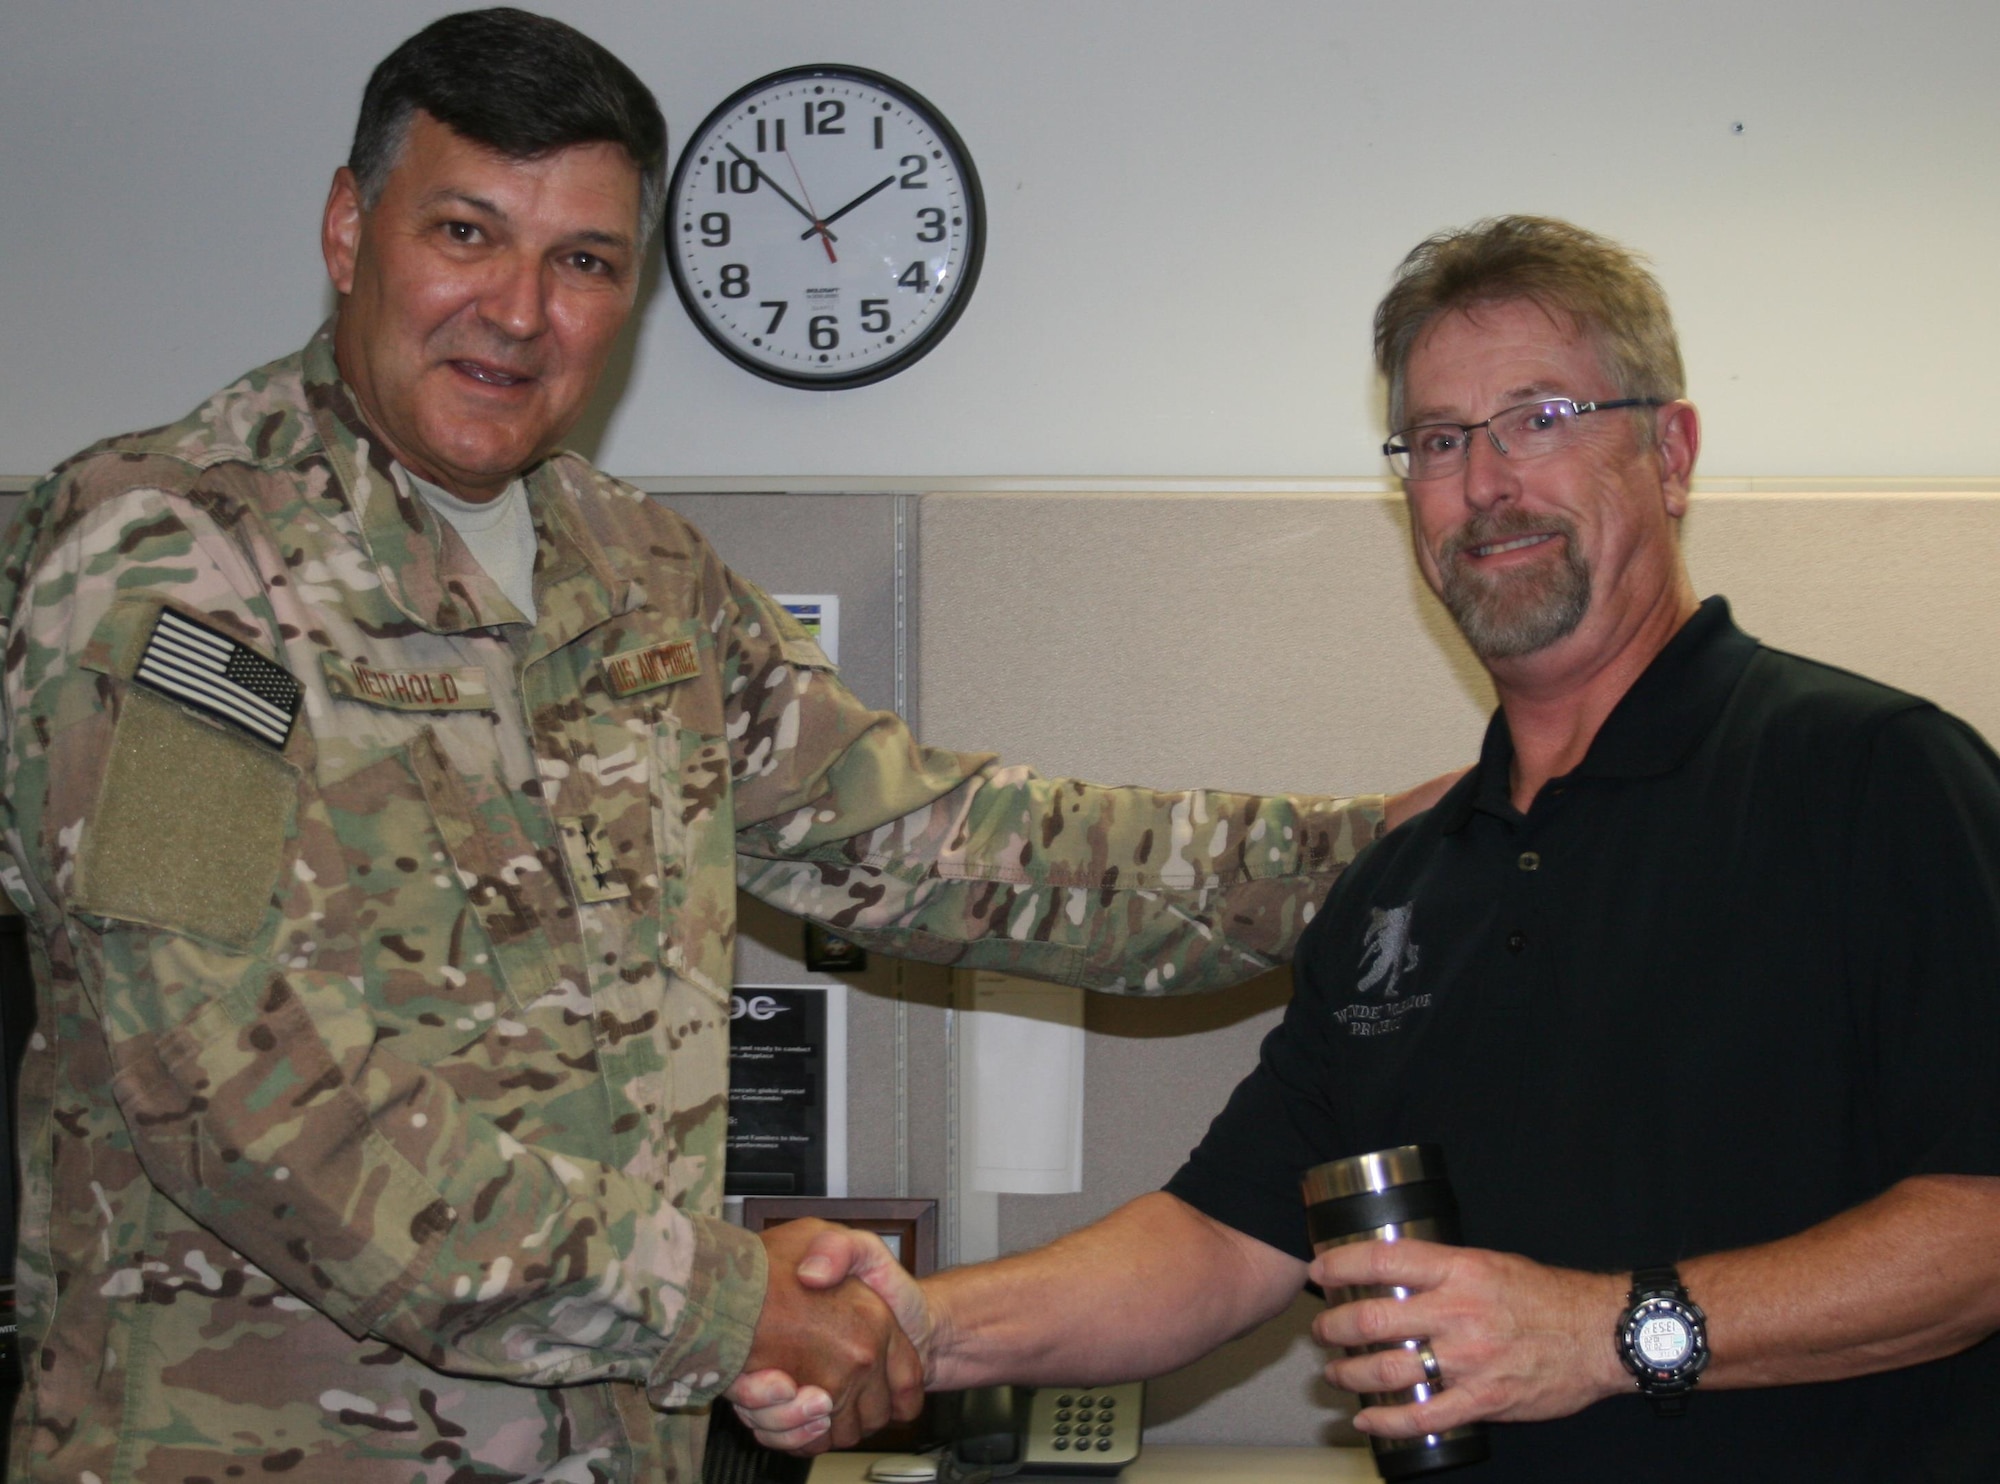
1647,1282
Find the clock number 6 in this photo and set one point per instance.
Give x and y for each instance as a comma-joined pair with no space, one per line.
823,331
933,219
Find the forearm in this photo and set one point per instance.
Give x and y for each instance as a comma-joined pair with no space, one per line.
1150,1287
372,1189
1910,1276
1123,889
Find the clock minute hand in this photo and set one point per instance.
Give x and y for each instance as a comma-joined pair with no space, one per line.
783,194
872,191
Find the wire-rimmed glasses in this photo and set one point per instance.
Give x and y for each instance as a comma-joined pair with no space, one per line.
1528,430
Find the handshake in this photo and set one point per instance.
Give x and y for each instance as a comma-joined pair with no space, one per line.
843,1344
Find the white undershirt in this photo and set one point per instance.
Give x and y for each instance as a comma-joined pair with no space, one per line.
500,534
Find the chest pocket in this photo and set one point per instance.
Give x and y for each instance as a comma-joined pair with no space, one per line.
512,886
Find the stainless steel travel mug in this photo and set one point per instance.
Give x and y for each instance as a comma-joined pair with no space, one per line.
1388,1195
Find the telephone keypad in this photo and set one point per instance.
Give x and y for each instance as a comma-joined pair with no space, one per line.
1084,1430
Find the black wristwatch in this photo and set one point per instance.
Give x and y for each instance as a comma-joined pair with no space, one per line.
1663,1339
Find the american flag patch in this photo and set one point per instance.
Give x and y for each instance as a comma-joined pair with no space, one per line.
213,673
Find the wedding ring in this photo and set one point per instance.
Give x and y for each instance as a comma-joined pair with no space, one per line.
1432,1374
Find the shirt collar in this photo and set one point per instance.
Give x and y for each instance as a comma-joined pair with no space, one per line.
1654,727
427,573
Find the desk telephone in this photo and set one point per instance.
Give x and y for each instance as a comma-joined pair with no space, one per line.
1037,1432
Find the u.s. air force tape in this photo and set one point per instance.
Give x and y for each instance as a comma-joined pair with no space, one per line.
213,673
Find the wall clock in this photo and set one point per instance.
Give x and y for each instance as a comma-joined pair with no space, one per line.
825,227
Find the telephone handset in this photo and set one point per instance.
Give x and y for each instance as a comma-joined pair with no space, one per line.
1060,1430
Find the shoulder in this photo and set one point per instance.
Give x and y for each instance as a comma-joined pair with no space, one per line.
137,501
636,530
1809,689
1844,750
643,537
261,420
1790,703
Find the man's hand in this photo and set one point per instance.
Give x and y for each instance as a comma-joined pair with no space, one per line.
840,1343
1515,1341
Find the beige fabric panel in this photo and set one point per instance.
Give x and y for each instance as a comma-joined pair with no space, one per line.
1253,642
1899,587
1286,643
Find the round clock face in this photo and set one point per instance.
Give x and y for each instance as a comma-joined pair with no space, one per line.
824,227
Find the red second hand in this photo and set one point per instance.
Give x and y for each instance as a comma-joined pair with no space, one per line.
825,237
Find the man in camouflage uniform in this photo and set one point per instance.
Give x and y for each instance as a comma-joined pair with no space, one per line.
382,927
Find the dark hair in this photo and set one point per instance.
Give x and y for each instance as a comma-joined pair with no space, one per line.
1599,286
523,85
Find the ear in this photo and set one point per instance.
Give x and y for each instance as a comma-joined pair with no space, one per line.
1677,444
340,230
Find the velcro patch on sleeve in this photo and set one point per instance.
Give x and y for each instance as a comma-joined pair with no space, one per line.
646,669
189,828
220,677
462,689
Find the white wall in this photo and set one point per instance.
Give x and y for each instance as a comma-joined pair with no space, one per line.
1194,207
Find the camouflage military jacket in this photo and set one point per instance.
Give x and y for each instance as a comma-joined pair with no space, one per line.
374,1124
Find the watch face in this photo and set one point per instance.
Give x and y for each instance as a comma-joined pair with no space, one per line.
824,227
1663,1340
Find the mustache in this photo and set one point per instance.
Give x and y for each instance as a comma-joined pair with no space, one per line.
1502,525
512,357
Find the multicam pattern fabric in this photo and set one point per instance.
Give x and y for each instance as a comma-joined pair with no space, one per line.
374,1126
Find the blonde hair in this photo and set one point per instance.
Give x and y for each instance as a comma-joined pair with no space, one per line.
1602,288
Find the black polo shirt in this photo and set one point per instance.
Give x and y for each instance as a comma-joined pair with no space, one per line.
1732,975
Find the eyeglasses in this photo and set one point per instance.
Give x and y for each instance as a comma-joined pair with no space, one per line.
1532,430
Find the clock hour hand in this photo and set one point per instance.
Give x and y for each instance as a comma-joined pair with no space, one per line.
783,194
872,191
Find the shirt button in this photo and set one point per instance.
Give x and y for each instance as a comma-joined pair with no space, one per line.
1529,861
1516,941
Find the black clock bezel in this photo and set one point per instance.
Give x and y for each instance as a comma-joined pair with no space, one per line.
902,357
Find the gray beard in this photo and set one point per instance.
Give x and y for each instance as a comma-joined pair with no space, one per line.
1516,613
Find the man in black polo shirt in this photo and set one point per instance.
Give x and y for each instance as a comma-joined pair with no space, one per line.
1693,977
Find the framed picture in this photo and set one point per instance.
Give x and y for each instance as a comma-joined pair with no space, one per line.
908,1228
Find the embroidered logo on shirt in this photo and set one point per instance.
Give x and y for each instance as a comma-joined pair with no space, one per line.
213,673
657,665
408,690
1387,942
1387,955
